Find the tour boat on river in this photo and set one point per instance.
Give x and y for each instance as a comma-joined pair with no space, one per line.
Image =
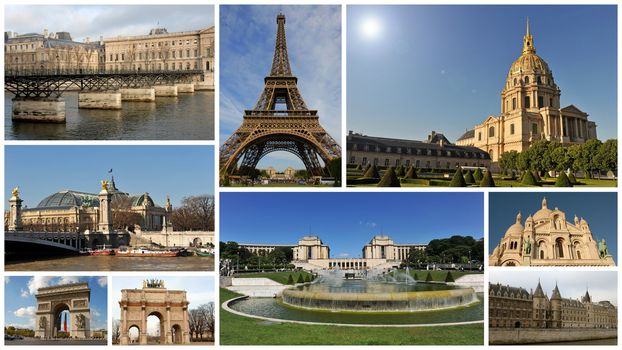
145,252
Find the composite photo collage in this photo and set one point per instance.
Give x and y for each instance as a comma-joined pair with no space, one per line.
311,173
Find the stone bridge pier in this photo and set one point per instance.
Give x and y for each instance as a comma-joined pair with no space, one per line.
39,109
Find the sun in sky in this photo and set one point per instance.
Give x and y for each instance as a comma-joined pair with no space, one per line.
371,27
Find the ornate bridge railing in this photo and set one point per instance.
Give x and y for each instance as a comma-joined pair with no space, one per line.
66,240
47,83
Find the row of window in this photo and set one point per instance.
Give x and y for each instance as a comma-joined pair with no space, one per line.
416,151
540,80
491,131
164,43
417,163
160,55
165,66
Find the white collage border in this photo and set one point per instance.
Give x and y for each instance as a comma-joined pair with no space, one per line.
112,302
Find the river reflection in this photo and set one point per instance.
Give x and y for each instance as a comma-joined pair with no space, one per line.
186,117
114,263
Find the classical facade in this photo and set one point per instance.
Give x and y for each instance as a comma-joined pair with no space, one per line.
161,50
51,52
71,211
170,306
311,253
530,111
53,301
548,239
436,152
383,247
514,307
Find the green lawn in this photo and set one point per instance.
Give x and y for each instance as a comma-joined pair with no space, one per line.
508,183
280,277
279,185
239,330
437,275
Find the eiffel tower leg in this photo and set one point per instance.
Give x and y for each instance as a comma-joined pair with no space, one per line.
250,159
310,159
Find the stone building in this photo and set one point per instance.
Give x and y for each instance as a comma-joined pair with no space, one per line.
514,307
530,111
51,52
311,253
548,239
383,247
70,211
161,50
434,153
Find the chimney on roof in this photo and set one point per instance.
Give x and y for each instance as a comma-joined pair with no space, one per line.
45,33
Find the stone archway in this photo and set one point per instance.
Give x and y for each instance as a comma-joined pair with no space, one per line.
170,306
53,301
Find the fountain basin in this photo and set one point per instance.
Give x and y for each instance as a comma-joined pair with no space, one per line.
427,300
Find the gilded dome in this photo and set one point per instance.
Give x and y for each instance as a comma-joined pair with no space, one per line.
529,63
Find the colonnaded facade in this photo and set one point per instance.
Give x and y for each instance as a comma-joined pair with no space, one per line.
530,111
436,152
71,211
312,254
548,239
515,307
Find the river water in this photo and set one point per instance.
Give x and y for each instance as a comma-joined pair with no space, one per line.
186,117
114,263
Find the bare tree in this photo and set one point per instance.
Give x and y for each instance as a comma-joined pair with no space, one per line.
195,323
123,218
116,331
195,213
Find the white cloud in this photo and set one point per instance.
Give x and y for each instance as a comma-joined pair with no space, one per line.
102,281
25,293
95,312
28,312
37,282
68,279
7,279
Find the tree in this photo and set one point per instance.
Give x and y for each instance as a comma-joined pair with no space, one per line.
300,279
116,331
572,178
559,159
290,279
195,213
509,160
562,180
468,178
372,172
301,174
389,179
411,173
458,179
477,175
428,278
334,167
587,160
123,218
487,181
528,179
201,321
607,156
449,277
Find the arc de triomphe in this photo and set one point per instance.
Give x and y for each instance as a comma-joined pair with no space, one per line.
52,301
170,306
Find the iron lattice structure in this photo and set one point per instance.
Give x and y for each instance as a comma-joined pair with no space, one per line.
54,83
269,128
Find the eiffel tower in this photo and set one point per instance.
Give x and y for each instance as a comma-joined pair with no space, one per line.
268,127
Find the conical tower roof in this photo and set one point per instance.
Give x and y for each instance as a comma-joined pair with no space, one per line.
556,295
539,292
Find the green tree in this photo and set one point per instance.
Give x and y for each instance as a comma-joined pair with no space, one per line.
389,179
372,172
477,175
509,160
528,179
562,180
572,178
334,167
487,181
559,159
587,160
290,279
468,178
411,173
458,179
607,156
300,279
428,278
449,277
301,174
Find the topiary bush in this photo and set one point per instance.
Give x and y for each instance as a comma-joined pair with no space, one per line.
389,179
449,277
300,279
536,176
468,178
358,168
572,178
411,173
399,171
458,179
487,181
528,179
415,277
308,278
477,175
372,172
290,279
428,278
562,180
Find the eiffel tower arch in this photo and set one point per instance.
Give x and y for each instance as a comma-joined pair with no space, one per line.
280,121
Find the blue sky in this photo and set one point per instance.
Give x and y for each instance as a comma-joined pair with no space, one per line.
443,68
347,221
178,171
602,285
20,302
105,20
599,209
247,37
199,290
